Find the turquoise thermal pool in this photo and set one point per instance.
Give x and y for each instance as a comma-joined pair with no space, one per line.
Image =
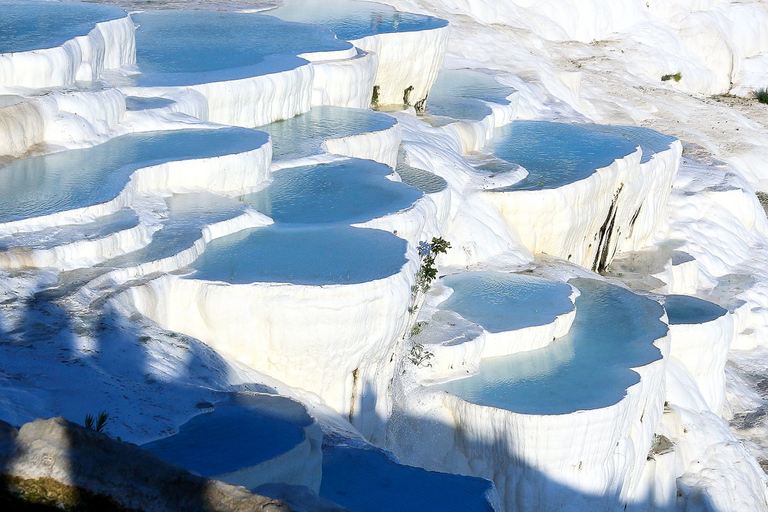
589,368
344,191
27,26
684,309
176,48
500,302
48,184
303,135
456,94
306,255
556,154
241,432
351,20
368,481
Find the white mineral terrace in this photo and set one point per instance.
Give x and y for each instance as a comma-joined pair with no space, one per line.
435,255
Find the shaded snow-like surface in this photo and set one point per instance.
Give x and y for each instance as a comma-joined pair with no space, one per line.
58,235
457,91
303,135
26,26
315,255
346,191
368,481
650,141
589,368
194,47
351,20
556,154
241,432
506,302
684,309
78,178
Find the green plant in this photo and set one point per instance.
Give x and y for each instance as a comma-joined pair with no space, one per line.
100,422
417,328
676,77
761,95
419,355
428,252
375,96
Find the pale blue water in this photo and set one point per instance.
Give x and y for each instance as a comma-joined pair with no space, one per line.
72,179
311,255
650,141
303,135
427,182
241,432
188,214
60,235
556,154
589,368
194,47
502,302
351,20
26,26
368,481
684,309
346,191
456,93
139,103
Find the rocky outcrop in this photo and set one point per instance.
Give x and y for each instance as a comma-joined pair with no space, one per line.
56,451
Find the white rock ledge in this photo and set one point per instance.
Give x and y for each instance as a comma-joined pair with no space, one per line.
110,45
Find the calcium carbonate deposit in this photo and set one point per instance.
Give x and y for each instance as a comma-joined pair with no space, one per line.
465,255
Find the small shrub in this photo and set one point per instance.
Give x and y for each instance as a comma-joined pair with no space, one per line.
428,252
375,96
100,422
417,328
419,355
762,95
676,77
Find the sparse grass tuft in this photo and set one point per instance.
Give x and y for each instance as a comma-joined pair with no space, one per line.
762,95
100,422
676,77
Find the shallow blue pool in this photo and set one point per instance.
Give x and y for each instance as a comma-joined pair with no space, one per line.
501,302
241,432
194,47
188,214
26,26
368,481
345,191
556,154
684,309
304,135
650,141
351,20
427,182
66,234
140,103
308,255
456,93
589,368
58,182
